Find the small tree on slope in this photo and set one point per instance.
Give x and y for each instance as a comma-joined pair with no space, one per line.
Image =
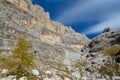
20,61
22,57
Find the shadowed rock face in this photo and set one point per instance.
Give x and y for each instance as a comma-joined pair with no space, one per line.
104,40
117,58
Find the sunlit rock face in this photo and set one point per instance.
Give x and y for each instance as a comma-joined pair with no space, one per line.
49,39
23,4
32,20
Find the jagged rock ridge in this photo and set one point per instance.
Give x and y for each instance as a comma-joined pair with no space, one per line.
32,20
54,45
104,40
20,18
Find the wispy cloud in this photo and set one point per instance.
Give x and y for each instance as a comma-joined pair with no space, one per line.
113,23
53,0
102,11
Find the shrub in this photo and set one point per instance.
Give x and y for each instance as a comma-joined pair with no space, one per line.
67,70
110,70
21,60
111,51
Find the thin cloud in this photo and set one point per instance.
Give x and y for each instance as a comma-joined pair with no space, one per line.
113,23
92,9
53,0
101,11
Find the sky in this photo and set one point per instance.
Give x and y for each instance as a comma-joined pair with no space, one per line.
88,17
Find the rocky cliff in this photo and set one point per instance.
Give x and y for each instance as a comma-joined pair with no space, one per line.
19,18
59,52
25,19
104,40
53,44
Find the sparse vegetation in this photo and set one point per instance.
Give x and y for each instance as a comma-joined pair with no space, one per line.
81,64
49,75
111,51
63,76
110,70
67,70
81,74
21,60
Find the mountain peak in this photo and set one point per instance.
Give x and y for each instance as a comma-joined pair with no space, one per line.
34,20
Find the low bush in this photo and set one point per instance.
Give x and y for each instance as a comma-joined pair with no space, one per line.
111,51
110,70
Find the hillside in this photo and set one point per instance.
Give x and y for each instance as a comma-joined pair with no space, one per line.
59,53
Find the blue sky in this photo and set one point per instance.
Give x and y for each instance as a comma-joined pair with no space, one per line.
89,17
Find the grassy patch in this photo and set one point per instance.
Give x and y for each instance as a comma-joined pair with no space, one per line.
67,70
110,70
20,61
111,51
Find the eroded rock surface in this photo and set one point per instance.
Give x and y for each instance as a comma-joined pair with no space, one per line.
59,52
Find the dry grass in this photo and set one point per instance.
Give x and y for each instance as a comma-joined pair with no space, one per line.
111,51
110,70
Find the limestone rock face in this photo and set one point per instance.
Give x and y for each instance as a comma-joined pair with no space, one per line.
21,18
104,40
59,52
23,4
50,40
54,45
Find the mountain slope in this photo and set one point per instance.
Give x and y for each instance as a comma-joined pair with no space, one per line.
59,52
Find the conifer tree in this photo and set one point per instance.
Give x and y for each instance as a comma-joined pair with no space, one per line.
23,58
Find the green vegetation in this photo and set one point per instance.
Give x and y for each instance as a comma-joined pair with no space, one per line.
20,61
111,51
81,64
67,70
49,75
110,70
24,59
63,76
81,74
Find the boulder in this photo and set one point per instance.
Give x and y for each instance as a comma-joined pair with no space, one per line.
35,72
